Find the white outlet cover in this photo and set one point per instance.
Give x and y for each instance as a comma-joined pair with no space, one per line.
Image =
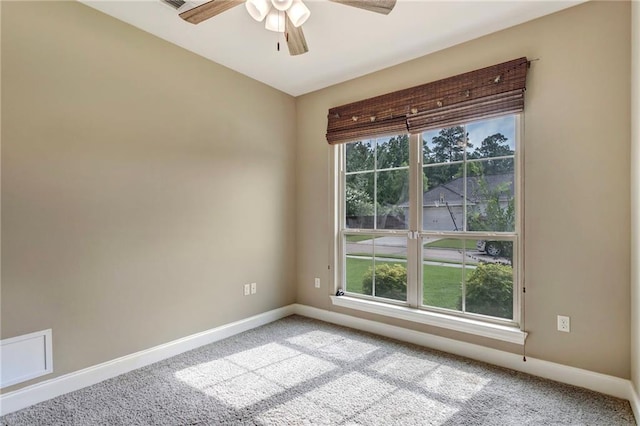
564,323
247,289
317,282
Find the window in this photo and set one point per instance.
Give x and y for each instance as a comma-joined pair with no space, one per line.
430,222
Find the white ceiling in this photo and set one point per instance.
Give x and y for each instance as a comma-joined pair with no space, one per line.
344,42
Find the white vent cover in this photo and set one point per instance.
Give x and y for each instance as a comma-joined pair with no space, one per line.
25,357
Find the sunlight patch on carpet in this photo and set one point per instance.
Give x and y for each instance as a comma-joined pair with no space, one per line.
347,350
315,339
351,393
333,345
406,408
356,399
251,376
404,367
296,370
262,356
300,411
453,383
210,373
244,390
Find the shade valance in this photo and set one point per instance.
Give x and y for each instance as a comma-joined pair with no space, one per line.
490,91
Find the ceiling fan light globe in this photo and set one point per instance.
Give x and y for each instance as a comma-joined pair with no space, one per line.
258,9
298,13
275,21
281,4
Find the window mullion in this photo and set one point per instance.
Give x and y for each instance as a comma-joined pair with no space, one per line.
414,254
465,225
518,252
464,183
375,191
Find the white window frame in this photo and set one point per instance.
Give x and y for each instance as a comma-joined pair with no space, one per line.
505,330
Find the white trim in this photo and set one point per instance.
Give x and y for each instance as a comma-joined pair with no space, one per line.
634,400
635,204
47,361
22,398
465,325
603,383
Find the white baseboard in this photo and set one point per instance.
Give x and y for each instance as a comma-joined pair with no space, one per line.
634,400
598,382
43,391
22,398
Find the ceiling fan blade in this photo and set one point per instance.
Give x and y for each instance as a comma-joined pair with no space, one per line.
208,10
378,6
295,38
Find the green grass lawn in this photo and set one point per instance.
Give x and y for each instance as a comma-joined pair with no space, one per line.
358,238
451,243
441,283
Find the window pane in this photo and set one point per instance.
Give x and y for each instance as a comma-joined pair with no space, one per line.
392,152
490,196
489,284
442,276
359,200
443,198
492,138
377,266
390,268
392,199
444,145
359,156
359,262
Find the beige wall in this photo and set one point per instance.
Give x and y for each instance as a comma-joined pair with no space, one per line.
577,136
137,198
635,197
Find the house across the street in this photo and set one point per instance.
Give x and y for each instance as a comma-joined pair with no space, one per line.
443,205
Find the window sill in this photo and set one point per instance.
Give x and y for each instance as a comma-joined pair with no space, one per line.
464,325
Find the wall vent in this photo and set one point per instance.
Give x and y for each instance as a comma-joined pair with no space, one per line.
25,357
176,4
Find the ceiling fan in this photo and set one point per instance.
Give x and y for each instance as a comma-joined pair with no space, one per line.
286,16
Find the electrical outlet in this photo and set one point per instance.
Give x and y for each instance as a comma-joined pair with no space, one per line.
317,282
564,324
254,288
247,289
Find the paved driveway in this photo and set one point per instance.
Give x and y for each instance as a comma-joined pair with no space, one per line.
398,246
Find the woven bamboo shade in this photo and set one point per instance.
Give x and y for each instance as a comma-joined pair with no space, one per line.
486,92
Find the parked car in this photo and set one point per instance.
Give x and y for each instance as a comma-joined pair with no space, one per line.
492,248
